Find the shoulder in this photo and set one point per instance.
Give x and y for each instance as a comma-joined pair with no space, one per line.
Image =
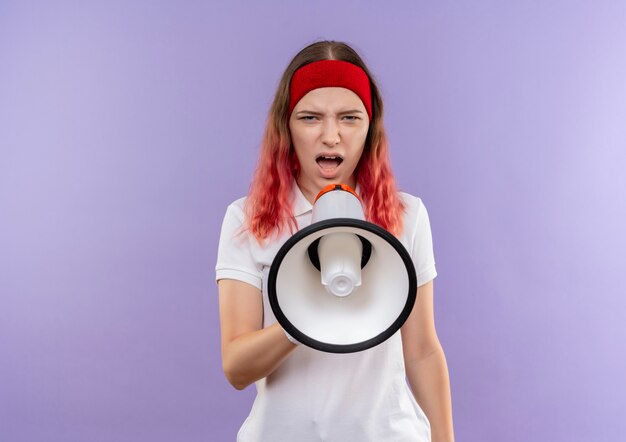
415,214
234,217
237,207
239,203
414,204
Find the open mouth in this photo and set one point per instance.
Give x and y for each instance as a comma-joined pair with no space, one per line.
328,162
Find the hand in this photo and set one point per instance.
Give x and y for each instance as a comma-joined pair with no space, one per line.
291,338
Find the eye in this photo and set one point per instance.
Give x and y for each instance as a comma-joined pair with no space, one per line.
307,118
351,117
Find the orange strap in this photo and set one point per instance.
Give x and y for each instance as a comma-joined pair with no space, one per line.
332,187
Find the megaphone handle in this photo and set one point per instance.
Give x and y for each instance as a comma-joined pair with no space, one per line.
315,260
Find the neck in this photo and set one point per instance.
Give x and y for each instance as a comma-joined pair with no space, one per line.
308,192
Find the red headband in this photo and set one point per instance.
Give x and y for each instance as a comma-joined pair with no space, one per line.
330,73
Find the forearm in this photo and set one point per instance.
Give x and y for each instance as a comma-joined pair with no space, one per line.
430,383
255,355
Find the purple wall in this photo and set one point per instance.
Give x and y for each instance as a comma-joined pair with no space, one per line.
125,129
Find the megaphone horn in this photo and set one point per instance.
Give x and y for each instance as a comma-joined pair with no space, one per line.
342,284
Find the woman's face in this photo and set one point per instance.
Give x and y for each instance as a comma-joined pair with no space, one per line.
328,130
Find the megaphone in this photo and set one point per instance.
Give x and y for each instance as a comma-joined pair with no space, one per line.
342,284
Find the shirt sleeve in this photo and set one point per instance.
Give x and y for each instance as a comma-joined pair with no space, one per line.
422,251
234,255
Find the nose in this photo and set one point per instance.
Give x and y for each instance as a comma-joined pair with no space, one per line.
330,132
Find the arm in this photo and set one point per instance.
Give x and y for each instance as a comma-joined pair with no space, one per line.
426,367
249,351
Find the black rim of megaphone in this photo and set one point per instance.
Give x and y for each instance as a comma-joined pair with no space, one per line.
337,348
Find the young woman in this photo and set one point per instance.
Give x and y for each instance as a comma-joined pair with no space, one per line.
325,126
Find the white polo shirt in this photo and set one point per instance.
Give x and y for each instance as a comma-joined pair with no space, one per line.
316,396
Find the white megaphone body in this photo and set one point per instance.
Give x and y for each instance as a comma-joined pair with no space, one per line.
342,284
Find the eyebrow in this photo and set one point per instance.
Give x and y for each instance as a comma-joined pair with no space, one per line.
310,112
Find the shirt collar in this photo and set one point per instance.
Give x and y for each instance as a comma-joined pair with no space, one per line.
300,204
